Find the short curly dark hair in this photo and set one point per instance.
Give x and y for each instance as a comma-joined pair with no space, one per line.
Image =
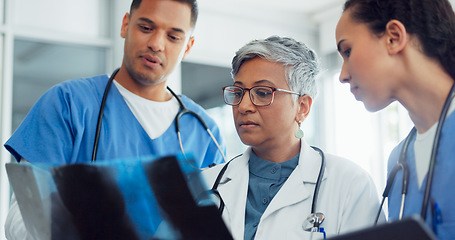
192,3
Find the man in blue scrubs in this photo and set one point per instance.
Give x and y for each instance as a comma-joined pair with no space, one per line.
139,114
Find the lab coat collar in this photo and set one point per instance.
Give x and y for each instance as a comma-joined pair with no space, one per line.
237,166
295,190
233,186
309,163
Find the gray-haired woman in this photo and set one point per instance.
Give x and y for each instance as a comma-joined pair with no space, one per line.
269,191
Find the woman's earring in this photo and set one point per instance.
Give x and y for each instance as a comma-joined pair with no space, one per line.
299,132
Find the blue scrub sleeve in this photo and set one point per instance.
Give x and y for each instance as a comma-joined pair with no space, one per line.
45,134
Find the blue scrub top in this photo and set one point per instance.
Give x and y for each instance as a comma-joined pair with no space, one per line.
442,192
60,128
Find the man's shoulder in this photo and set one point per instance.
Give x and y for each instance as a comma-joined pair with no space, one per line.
195,107
190,103
79,88
98,81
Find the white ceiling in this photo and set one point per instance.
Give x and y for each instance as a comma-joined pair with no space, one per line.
308,7
302,6
297,6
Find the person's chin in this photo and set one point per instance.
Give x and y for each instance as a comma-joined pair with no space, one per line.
248,139
374,107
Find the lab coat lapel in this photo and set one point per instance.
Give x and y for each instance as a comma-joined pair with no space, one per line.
300,184
232,187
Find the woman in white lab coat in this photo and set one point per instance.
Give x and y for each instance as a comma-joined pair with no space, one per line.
268,191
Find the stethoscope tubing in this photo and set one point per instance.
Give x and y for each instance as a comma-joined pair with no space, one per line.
183,110
319,180
434,152
402,164
101,113
214,188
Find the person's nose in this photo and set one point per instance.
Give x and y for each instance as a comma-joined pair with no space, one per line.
157,41
345,77
246,105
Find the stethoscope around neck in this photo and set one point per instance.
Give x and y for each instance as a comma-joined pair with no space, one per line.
403,166
312,222
183,110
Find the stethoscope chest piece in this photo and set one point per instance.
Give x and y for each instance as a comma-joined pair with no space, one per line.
313,222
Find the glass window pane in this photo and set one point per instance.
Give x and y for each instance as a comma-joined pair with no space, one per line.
82,17
204,83
1,60
2,11
40,65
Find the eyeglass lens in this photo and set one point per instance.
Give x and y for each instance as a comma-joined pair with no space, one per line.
260,96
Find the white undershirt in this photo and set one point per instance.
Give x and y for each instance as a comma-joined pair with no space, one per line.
422,150
155,117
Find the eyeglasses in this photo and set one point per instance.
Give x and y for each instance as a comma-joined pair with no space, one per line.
260,95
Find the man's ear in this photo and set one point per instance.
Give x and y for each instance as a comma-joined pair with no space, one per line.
189,45
125,22
396,36
304,105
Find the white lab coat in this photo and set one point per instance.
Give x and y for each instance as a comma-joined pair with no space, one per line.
347,197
